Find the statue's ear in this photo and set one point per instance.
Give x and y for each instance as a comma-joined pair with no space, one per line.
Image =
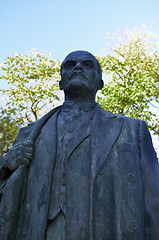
61,85
100,84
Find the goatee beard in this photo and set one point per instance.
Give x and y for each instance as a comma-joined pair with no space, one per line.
75,88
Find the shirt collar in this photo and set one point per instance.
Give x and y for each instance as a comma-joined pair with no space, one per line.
68,105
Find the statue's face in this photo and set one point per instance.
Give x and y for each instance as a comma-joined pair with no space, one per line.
79,73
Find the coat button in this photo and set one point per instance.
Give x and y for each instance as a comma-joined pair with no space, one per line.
133,225
131,178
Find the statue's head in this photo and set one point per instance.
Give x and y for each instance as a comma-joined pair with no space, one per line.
81,74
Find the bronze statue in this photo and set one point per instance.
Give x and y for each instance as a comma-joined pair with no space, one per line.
80,173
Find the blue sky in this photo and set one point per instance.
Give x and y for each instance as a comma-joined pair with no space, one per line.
63,26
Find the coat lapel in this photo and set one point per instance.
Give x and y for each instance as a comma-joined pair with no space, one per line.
82,132
49,133
32,131
105,130
39,182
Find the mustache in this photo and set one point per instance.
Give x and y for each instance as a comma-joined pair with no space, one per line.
78,72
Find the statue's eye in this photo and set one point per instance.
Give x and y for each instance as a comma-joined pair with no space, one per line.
69,64
89,64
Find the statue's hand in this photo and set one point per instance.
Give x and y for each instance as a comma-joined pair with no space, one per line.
19,154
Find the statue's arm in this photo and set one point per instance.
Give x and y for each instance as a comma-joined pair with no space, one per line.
19,154
150,175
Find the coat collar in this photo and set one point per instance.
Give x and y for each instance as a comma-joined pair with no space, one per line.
49,134
106,128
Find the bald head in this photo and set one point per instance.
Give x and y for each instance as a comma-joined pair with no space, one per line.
80,54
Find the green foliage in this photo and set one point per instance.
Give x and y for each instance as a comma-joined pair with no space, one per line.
132,88
133,85
33,81
33,91
9,126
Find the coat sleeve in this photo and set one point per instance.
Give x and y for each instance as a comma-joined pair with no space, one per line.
150,177
5,172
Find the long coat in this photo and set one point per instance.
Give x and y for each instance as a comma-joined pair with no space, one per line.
124,180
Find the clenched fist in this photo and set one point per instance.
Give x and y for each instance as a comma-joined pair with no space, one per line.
20,153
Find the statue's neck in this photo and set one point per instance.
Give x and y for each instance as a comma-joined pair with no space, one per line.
80,100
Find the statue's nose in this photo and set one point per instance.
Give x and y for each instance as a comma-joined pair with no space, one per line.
78,66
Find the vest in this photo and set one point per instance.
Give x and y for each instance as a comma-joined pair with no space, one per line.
71,177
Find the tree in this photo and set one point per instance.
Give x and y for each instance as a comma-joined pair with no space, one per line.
33,91
33,81
133,85
9,126
132,88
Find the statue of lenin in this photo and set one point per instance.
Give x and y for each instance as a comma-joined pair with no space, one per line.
80,173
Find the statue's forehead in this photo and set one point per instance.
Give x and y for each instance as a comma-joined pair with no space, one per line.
80,56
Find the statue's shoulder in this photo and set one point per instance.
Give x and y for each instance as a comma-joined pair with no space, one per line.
127,120
24,132
32,130
100,111
106,114
131,120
